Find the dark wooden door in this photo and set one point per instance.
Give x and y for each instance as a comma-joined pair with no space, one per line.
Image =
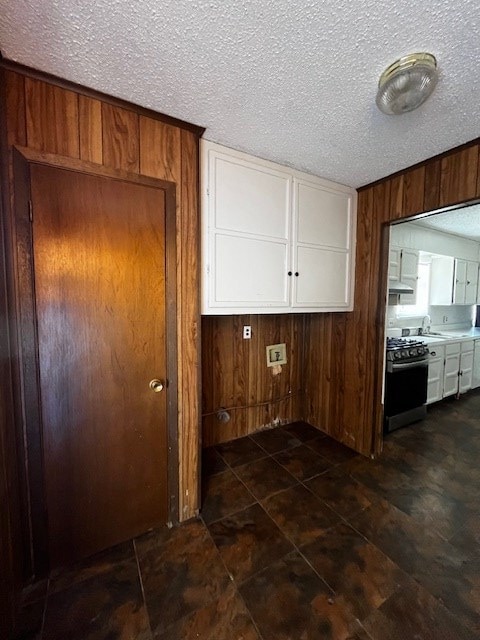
99,274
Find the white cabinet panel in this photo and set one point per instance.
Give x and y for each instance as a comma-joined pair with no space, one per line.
250,199
442,280
435,373
471,283
322,279
466,365
409,274
324,216
452,368
252,272
394,257
476,366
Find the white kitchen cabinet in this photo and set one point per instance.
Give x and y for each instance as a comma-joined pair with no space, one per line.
436,365
466,366
471,284
394,257
476,365
273,240
453,281
451,369
403,267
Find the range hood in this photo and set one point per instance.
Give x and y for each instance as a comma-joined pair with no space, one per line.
396,287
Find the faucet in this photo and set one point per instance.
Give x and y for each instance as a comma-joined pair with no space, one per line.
426,322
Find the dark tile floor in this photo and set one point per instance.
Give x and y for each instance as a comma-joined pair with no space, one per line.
299,539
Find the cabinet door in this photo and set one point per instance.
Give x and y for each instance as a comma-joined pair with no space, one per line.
450,378
441,280
409,275
471,283
476,366
322,279
435,374
394,257
246,233
466,371
250,272
322,246
460,282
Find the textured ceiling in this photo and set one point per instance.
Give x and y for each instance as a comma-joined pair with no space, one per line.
462,222
294,82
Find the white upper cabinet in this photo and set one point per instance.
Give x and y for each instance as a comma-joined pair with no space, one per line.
403,267
273,240
453,281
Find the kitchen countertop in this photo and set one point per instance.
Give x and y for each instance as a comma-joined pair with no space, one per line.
451,336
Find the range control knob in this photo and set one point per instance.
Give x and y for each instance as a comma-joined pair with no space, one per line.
405,353
413,352
397,355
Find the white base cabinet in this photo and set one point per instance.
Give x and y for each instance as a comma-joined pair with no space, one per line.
436,364
465,375
451,370
273,240
476,365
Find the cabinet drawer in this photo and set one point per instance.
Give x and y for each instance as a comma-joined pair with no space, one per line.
452,349
466,345
437,351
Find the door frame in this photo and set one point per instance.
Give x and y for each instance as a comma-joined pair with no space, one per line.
29,398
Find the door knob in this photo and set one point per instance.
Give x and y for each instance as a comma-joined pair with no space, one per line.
156,385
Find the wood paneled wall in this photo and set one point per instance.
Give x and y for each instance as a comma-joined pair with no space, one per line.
343,377
235,373
10,541
49,115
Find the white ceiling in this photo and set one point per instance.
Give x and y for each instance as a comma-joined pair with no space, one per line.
461,222
294,82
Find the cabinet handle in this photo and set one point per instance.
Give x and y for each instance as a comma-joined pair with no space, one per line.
296,273
289,273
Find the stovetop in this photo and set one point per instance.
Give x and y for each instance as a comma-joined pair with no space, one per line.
402,349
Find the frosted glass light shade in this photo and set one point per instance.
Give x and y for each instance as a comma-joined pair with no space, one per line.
407,83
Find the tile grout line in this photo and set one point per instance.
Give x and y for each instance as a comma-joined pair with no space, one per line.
141,585
232,579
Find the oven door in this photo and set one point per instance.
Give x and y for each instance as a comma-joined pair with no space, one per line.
405,393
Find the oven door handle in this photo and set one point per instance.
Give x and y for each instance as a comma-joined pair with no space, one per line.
398,366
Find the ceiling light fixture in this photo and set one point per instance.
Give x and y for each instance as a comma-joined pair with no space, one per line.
407,83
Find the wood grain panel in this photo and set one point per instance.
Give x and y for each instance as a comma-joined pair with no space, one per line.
120,138
396,197
188,328
52,118
432,185
15,108
413,193
90,125
160,154
458,179
240,376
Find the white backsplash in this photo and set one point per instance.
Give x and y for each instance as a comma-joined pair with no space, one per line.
458,317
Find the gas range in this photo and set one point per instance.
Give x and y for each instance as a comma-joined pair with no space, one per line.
403,350
406,380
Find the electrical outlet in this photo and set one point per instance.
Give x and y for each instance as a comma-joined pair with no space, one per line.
247,332
391,322
445,319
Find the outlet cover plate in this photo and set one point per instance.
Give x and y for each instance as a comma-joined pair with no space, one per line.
276,354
